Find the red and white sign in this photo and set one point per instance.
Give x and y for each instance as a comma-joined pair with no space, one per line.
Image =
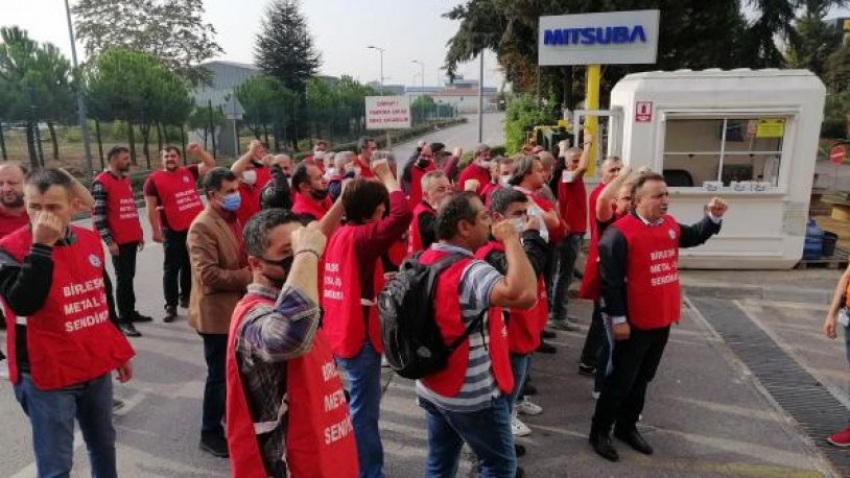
387,112
643,111
837,154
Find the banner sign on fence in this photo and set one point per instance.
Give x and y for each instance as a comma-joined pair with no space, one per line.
387,112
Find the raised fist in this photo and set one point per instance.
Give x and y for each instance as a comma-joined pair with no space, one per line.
194,149
309,237
717,207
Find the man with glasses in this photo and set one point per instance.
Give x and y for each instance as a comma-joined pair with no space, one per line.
173,203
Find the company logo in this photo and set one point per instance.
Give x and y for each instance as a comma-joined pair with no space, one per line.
672,234
617,35
185,179
94,260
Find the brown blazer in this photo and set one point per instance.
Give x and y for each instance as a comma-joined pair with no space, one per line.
218,281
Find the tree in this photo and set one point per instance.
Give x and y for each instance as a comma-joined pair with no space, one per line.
284,50
171,30
421,106
816,40
837,76
266,102
207,119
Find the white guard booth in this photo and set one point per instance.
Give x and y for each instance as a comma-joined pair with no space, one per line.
748,136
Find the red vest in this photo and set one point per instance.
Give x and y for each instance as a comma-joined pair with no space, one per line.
473,171
122,218
319,436
652,272
524,325
414,243
365,170
70,340
309,206
447,313
10,223
590,281
572,203
250,204
264,176
416,174
178,196
344,324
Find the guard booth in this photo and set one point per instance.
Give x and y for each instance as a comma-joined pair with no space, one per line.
748,136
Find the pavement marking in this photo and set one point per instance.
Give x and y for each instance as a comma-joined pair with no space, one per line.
31,470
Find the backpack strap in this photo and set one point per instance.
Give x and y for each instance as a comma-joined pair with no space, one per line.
477,321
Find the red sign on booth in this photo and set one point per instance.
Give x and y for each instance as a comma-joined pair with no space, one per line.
837,154
643,111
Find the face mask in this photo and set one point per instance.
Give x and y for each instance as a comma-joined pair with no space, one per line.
503,180
319,155
330,172
518,223
249,177
231,202
485,163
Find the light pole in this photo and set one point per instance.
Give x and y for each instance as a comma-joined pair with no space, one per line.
381,51
422,66
81,105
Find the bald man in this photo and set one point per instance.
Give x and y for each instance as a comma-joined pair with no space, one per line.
13,214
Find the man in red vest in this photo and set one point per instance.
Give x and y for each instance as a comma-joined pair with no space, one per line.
366,147
478,169
572,205
286,409
413,172
524,326
353,276
312,201
117,221
172,201
63,341
317,157
469,401
423,232
639,257
253,175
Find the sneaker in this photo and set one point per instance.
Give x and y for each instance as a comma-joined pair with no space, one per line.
563,324
137,317
215,446
527,407
841,438
128,329
170,314
519,429
117,404
586,369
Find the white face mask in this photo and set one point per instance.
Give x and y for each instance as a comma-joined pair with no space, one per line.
249,177
503,180
319,155
329,172
518,223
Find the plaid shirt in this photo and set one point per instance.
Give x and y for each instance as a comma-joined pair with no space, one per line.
267,337
99,210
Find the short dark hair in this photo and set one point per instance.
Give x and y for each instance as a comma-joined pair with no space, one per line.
300,176
437,147
363,142
215,177
173,149
44,179
362,198
115,151
502,198
255,235
451,212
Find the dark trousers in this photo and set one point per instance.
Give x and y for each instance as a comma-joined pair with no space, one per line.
624,391
177,270
125,272
595,338
215,353
562,275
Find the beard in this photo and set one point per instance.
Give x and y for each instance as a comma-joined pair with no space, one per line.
12,200
319,194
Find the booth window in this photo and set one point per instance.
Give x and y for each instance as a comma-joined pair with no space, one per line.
727,150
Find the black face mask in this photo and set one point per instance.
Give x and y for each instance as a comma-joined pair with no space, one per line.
285,264
319,195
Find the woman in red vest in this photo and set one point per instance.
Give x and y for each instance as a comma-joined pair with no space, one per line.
286,408
638,266
352,277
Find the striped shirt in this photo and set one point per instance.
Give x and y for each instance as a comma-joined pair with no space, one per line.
479,385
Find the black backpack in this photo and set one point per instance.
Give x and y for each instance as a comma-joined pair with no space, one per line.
413,343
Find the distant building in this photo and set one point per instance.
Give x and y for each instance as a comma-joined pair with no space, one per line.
462,95
226,76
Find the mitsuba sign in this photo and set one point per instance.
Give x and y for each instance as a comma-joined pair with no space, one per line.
599,38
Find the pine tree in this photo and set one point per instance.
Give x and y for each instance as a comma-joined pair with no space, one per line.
284,50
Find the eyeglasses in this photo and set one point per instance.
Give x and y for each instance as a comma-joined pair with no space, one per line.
284,264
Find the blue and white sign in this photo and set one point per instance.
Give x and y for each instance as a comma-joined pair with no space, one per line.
599,38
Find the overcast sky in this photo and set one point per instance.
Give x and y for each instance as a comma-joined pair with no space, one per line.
342,29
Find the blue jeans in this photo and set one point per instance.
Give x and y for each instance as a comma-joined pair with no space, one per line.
364,381
215,388
52,414
487,432
520,365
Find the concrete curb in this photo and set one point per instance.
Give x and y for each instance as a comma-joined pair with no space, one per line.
757,292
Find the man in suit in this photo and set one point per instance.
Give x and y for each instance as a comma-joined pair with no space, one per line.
220,275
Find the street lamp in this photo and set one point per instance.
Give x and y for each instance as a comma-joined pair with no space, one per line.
422,66
381,51
81,106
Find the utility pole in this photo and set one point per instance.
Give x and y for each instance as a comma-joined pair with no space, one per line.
481,99
81,105
381,51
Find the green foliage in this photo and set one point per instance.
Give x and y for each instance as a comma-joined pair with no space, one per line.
522,113
817,40
171,30
836,122
266,101
337,107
